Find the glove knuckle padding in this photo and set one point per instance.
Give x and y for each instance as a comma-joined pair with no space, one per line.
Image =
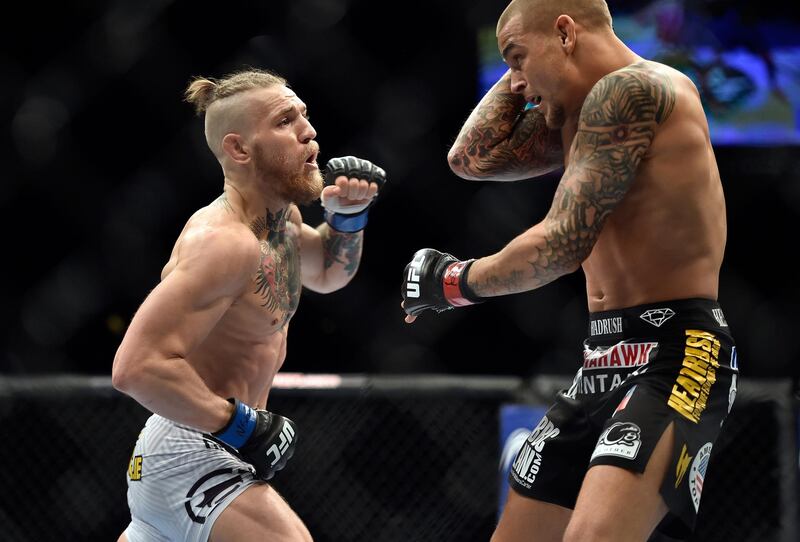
352,167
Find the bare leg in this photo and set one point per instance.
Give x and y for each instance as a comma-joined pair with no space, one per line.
619,505
259,514
122,537
529,519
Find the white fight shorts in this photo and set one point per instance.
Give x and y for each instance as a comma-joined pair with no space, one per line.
179,482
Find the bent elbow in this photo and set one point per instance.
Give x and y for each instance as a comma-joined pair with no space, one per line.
123,374
457,160
119,377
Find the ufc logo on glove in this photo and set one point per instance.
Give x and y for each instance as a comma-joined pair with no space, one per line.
412,286
287,435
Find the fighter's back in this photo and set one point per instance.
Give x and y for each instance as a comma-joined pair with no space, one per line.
666,238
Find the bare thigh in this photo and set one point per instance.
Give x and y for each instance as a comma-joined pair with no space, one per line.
531,520
259,514
605,509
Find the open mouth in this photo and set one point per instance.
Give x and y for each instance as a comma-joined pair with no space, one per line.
533,101
312,159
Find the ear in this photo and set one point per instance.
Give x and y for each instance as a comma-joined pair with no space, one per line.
565,27
235,147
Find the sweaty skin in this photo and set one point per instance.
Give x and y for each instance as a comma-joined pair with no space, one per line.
640,205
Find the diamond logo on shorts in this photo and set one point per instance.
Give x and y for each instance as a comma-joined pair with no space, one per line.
657,316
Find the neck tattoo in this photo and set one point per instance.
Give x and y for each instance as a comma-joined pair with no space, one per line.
273,224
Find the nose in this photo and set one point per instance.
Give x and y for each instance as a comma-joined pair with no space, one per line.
518,83
307,133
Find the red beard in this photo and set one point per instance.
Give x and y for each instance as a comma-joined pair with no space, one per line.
292,183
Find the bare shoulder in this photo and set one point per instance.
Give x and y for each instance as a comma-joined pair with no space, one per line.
641,92
217,244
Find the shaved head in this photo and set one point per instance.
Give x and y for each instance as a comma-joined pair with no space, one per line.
539,15
232,114
230,104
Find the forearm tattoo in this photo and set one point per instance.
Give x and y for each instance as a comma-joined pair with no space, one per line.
342,248
501,140
617,125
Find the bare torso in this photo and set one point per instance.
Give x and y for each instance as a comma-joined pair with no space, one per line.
247,346
666,238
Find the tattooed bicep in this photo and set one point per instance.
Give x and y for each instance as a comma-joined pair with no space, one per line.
618,122
625,107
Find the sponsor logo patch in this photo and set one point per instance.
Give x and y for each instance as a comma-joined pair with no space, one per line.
529,458
622,404
210,490
732,392
719,317
683,464
697,375
697,474
135,468
622,355
606,326
621,439
657,317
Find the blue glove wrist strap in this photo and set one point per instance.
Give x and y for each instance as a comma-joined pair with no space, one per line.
347,223
241,426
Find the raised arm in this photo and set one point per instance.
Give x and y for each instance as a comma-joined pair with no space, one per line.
330,253
618,122
501,141
151,363
329,258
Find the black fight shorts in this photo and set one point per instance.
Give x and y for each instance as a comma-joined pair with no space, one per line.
643,368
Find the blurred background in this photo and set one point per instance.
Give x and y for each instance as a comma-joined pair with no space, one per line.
103,164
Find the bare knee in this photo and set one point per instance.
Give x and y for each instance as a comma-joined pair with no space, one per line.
122,538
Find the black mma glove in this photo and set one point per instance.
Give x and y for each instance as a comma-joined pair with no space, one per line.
350,218
437,281
264,439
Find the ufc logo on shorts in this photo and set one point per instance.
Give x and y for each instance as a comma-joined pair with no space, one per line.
412,284
287,435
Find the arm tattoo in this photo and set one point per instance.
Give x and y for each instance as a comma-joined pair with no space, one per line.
617,125
342,248
501,141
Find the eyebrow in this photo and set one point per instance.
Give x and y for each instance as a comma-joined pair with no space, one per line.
285,110
507,48
290,108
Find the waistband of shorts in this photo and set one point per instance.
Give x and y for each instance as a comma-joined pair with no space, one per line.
656,318
157,420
